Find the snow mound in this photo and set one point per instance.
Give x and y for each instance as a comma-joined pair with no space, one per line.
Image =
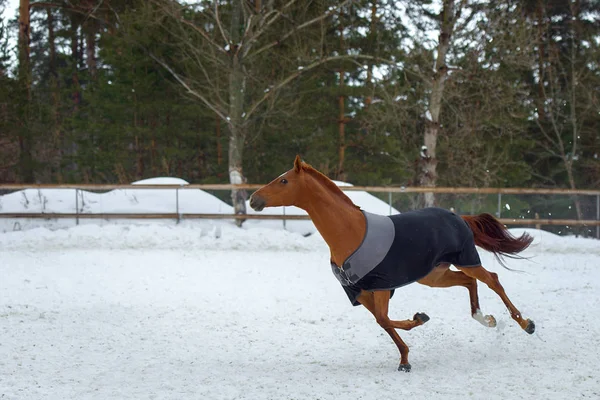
161,181
548,242
130,201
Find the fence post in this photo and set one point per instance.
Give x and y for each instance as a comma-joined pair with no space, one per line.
76,206
284,224
598,215
177,205
390,201
499,212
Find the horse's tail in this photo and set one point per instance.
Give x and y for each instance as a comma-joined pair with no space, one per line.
491,235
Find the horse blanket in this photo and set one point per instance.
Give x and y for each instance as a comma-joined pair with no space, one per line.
400,249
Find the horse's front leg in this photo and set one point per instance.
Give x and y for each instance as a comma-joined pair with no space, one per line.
377,303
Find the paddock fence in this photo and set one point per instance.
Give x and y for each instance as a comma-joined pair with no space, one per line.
531,207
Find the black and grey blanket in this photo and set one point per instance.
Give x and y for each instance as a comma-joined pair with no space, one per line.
402,248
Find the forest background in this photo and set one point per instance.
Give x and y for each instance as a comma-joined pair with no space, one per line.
458,93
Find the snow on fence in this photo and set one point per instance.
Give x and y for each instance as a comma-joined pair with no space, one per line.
178,212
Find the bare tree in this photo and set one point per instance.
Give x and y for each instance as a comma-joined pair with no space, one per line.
234,37
448,18
565,105
485,117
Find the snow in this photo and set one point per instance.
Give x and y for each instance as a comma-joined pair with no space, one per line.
151,201
206,310
161,181
115,201
428,115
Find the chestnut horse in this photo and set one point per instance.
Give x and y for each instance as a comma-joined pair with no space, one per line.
435,239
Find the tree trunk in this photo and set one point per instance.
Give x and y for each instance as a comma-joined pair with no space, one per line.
25,141
90,51
138,141
219,149
341,130
541,106
432,123
55,96
342,113
372,44
153,162
76,96
237,83
573,108
53,71
236,175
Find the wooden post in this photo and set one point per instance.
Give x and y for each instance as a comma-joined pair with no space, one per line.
537,226
284,225
598,215
77,206
177,205
499,212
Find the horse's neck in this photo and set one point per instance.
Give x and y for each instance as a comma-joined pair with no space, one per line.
341,224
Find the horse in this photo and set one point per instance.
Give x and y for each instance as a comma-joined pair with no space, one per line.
372,255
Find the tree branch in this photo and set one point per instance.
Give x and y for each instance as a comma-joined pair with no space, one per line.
219,25
196,28
81,11
301,71
263,27
196,55
210,105
546,135
299,27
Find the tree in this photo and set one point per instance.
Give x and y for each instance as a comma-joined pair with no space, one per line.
567,82
226,46
26,166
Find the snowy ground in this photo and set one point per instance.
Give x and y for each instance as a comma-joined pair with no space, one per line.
204,310
196,312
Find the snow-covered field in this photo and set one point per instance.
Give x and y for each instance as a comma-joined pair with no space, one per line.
204,310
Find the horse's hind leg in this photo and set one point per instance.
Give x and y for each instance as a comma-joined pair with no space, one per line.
378,304
491,279
443,277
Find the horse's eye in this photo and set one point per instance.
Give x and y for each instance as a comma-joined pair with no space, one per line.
284,181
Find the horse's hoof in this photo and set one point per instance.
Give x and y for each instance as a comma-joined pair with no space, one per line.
491,321
530,328
404,367
421,317
485,320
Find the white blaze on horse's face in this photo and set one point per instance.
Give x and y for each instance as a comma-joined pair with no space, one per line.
282,191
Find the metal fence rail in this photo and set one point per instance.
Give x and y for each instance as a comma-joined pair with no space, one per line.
177,215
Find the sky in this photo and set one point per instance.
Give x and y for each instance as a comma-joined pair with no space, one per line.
10,12
11,9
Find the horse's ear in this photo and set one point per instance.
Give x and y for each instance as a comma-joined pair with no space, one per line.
297,164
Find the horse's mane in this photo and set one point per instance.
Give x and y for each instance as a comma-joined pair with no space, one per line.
328,183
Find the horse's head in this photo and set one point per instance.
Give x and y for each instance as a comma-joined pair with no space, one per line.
282,191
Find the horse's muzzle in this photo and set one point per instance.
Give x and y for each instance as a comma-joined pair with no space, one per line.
257,203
